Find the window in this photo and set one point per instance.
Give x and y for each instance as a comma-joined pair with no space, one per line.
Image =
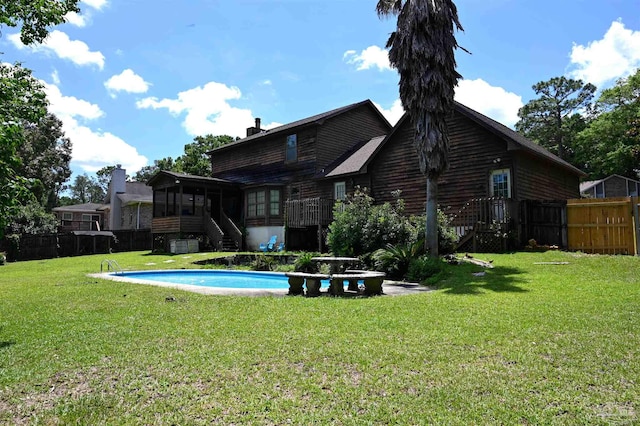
600,190
500,184
632,188
292,148
274,202
255,204
339,191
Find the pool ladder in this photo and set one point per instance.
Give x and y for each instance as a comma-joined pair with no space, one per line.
112,266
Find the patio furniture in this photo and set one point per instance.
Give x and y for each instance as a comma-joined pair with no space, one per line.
270,245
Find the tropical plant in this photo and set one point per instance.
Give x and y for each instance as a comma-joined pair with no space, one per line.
304,263
395,260
422,50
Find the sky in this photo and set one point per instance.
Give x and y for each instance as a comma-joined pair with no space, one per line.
134,81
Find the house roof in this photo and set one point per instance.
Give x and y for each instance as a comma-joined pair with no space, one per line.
86,207
314,119
186,178
587,185
136,192
357,162
515,137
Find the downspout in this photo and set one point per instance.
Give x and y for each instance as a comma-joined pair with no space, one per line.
138,219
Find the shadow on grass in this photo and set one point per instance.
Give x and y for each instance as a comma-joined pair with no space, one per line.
6,344
466,279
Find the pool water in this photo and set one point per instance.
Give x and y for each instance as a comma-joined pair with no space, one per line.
213,278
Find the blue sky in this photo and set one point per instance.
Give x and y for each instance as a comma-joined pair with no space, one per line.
134,81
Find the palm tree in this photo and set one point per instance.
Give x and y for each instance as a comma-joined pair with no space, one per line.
422,50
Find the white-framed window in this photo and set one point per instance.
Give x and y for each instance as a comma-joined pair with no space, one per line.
339,191
500,183
291,153
67,216
599,190
632,188
274,202
255,203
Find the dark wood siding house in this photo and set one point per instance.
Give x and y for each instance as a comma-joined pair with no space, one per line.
491,170
285,181
256,178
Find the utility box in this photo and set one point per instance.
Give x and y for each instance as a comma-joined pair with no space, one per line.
184,246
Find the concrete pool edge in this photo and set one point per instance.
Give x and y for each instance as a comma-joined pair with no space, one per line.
390,288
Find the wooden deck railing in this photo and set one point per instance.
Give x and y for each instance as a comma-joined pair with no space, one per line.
309,212
232,230
481,214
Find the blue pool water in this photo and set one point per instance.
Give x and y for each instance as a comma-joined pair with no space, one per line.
213,278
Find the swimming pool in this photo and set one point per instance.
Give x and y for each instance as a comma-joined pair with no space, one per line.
212,278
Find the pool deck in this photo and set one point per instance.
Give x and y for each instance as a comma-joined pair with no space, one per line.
389,288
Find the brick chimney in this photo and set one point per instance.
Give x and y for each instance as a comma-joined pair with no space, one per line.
254,130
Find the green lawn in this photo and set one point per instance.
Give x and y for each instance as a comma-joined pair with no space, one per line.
523,344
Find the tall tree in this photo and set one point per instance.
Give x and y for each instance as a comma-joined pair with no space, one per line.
21,100
45,155
555,118
35,17
21,96
195,160
422,50
145,173
86,189
611,143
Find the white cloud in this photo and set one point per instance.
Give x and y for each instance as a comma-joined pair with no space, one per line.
59,43
96,4
615,56
207,110
371,57
127,81
76,19
55,77
272,125
266,83
494,102
392,114
92,149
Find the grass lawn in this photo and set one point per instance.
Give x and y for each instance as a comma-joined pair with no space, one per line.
524,344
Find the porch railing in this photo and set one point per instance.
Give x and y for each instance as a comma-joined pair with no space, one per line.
309,212
232,230
481,214
213,230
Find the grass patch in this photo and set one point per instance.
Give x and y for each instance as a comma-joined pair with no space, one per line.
522,344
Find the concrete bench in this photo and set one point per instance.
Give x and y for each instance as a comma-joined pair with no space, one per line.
372,282
312,282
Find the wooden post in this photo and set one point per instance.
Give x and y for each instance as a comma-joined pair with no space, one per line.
636,224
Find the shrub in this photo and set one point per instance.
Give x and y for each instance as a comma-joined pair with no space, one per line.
360,228
304,263
395,260
263,263
423,268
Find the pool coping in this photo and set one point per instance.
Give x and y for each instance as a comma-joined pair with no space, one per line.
390,288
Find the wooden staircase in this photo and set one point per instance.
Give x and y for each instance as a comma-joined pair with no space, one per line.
482,224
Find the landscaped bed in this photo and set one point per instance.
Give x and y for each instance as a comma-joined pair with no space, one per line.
541,338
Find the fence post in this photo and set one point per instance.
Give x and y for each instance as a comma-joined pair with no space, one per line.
636,223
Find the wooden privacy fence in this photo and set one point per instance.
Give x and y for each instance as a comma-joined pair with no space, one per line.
603,225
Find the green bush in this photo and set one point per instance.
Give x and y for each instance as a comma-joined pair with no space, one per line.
304,263
423,268
395,260
263,263
360,228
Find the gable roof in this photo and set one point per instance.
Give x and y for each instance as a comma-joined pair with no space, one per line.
314,119
587,185
358,160
511,135
85,208
363,157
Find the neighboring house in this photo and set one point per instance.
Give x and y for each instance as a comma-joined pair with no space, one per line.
80,217
128,206
286,180
611,186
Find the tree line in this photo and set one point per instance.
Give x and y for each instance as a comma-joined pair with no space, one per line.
599,136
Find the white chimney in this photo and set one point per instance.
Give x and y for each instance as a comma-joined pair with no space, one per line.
117,186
